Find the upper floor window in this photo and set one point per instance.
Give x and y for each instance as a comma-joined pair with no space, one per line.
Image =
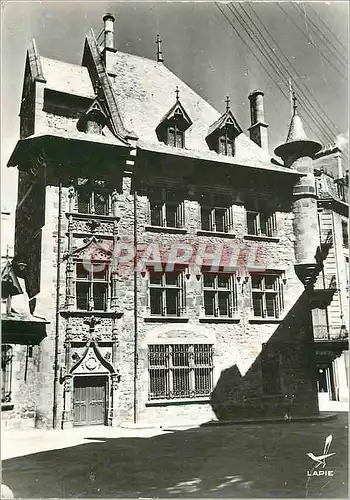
166,208
92,286
261,223
223,132
6,373
166,293
345,233
171,130
175,137
220,295
226,144
216,214
183,371
92,197
267,295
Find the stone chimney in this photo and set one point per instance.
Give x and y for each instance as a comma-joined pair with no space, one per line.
108,20
258,127
108,49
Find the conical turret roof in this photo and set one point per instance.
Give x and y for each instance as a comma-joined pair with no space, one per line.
297,141
296,130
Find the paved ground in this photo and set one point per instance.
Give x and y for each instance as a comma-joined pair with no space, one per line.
266,460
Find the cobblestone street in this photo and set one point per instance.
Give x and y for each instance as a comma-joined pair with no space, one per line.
226,461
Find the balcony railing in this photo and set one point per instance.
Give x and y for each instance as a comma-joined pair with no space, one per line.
324,332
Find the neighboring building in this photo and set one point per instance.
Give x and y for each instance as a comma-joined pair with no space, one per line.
21,333
7,234
331,325
176,262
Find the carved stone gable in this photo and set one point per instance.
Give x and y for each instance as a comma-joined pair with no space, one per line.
94,249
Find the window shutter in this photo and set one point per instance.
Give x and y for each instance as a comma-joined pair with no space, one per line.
212,224
281,293
148,211
182,301
234,294
180,214
274,222
230,147
229,219
171,137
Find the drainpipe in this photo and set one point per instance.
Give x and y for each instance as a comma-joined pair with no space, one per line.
135,309
57,328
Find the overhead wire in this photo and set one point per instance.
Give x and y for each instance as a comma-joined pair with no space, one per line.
313,105
322,37
310,40
252,52
324,132
271,61
341,45
250,70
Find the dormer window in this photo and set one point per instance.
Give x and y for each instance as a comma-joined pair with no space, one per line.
171,129
222,133
93,120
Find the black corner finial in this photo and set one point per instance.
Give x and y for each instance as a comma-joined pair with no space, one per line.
159,49
177,93
227,103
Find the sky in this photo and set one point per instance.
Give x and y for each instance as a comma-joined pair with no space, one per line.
204,50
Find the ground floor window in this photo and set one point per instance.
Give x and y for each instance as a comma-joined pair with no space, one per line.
178,371
6,373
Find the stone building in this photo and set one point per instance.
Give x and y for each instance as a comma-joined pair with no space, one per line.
176,262
331,325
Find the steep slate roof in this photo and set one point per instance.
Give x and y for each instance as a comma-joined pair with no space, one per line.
145,90
68,78
328,189
222,122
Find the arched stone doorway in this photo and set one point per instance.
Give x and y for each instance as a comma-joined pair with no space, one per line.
91,391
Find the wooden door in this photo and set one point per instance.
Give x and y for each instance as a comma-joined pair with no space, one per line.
89,400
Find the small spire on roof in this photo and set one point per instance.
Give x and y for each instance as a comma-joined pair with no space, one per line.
159,49
177,93
295,105
227,103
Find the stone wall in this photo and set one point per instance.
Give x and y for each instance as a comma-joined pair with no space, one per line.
20,413
238,342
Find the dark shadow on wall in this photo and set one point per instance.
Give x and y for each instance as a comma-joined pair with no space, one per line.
252,461
282,380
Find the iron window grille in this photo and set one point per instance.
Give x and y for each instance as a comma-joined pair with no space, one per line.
6,373
166,209
261,224
92,197
166,293
92,286
271,375
180,371
219,294
267,295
